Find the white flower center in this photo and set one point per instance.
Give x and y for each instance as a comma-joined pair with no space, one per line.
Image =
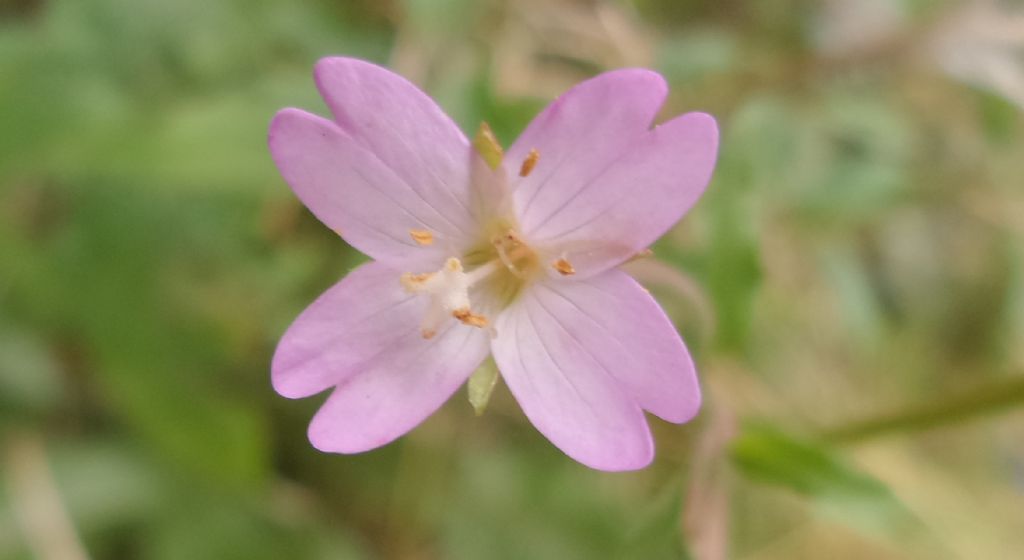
510,263
448,290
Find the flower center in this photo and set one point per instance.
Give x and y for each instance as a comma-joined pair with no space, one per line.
508,263
502,263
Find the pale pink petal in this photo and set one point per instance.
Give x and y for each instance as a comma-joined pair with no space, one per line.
361,324
632,201
578,135
344,331
355,194
363,335
632,339
565,389
406,382
406,131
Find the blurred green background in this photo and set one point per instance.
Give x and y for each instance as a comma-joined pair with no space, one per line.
852,285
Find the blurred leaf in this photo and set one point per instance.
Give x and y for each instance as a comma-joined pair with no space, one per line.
212,527
686,58
1000,117
733,262
30,380
849,277
441,17
153,364
855,155
208,434
657,533
1015,298
765,454
473,100
493,512
106,484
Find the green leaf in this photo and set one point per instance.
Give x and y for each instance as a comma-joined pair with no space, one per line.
106,484
999,117
765,454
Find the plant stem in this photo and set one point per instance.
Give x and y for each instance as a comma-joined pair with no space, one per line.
994,397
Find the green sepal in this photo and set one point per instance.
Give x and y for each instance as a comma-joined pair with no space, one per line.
481,385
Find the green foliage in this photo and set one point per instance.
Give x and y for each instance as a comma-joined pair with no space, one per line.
770,456
860,246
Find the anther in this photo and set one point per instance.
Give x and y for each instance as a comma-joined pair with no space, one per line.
486,144
415,282
467,317
563,267
529,163
421,236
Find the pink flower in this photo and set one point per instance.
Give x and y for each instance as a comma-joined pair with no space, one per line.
517,259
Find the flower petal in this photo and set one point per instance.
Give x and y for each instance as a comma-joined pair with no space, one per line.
406,131
628,334
344,330
365,323
565,388
634,200
354,193
579,134
403,385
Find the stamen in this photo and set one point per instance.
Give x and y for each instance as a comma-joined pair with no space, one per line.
563,267
513,237
467,317
453,264
421,236
448,289
641,255
487,146
529,163
415,282
507,261
510,247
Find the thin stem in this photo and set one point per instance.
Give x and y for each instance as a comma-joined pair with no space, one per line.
994,397
36,501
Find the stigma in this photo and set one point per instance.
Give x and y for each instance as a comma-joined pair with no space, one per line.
448,290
